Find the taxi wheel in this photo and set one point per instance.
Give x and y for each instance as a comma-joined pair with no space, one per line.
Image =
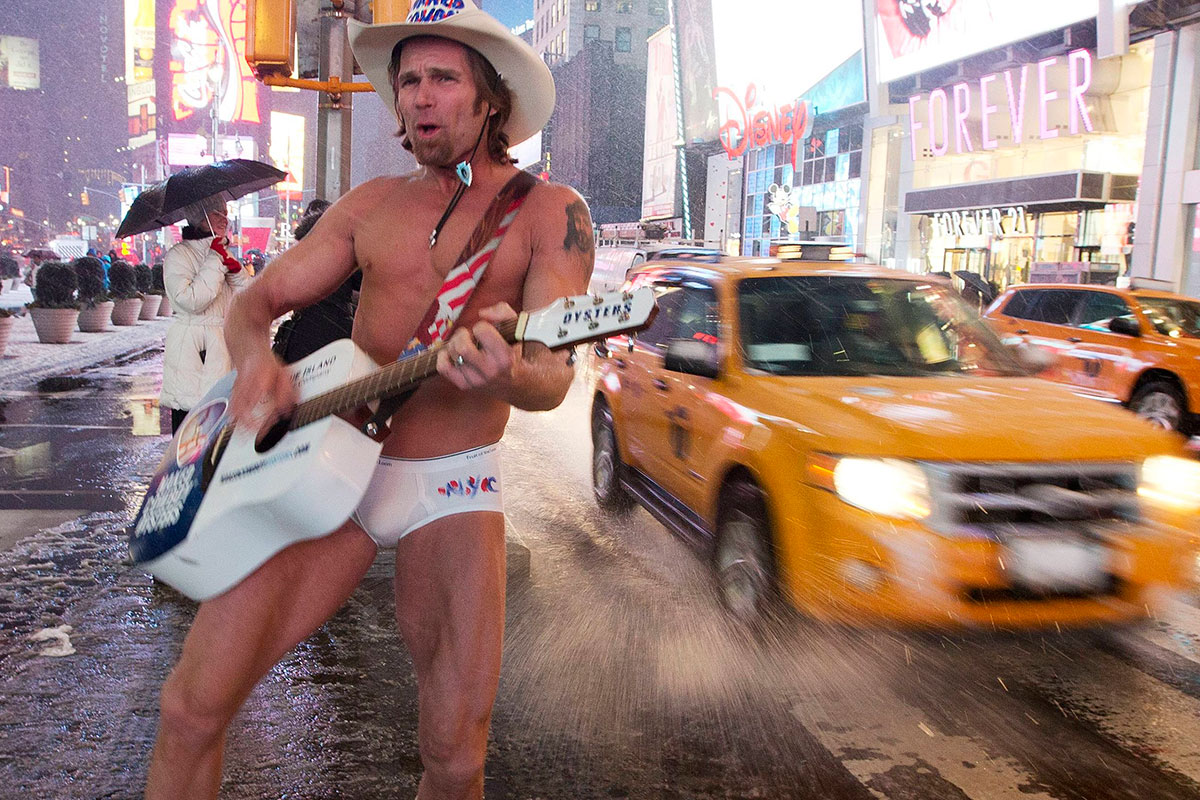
742,559
1160,403
607,467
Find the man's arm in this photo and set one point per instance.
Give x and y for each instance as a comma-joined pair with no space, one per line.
305,273
530,377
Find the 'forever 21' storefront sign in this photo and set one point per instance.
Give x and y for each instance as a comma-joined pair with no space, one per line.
1007,221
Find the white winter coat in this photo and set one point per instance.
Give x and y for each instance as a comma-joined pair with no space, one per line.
201,291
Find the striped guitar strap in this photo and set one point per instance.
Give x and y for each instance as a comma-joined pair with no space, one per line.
460,283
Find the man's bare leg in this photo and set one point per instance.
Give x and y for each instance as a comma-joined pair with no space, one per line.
235,640
450,609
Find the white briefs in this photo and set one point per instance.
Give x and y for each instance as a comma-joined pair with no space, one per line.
408,493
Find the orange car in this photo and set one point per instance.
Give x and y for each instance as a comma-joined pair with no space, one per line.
1136,347
856,441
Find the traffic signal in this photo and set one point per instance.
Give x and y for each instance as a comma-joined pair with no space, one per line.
271,36
84,199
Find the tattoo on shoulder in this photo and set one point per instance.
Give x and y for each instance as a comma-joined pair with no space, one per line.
579,229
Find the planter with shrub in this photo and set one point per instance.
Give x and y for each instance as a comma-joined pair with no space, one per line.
122,285
150,298
158,286
55,308
96,311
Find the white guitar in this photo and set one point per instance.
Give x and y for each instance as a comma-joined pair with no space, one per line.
220,505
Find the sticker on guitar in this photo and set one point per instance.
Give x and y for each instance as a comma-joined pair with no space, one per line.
221,503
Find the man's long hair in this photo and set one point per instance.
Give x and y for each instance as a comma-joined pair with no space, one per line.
490,90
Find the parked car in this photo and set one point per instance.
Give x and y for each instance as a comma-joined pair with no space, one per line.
857,442
1136,347
612,267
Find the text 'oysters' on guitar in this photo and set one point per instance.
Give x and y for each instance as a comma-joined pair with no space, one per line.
221,504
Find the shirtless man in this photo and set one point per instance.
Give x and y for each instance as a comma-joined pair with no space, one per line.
450,570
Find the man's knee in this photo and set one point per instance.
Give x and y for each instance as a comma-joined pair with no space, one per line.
192,717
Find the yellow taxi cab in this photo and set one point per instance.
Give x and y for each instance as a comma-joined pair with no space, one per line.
859,443
1136,347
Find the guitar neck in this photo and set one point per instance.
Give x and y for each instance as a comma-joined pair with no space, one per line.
393,379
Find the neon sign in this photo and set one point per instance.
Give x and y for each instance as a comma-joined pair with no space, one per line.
208,63
947,112
761,127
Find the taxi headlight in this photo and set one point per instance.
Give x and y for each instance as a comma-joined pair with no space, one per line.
1171,482
885,486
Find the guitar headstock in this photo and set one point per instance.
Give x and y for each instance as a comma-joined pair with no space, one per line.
586,317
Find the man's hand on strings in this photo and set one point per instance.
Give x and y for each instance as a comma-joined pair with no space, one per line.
479,356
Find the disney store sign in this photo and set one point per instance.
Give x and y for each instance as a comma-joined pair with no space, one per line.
749,122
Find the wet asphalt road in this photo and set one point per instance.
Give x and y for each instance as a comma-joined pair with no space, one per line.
621,680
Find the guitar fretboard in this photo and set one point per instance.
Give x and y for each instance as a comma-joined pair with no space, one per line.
393,379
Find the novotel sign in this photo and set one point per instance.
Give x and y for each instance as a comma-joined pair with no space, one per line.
970,116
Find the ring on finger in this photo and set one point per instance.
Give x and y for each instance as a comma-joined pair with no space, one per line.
458,360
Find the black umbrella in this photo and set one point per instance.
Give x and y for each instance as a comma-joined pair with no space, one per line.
978,283
165,202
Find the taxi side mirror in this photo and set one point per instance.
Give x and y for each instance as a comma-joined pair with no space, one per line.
1124,326
693,357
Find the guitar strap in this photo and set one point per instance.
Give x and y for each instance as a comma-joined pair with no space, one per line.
460,282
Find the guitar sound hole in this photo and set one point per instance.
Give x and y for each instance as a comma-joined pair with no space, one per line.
276,432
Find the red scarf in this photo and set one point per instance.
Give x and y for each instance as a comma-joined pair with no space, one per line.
231,263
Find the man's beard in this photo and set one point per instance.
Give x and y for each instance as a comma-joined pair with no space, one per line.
436,153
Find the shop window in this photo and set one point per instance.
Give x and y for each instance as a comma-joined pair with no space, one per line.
624,6
856,164
591,5
624,40
591,32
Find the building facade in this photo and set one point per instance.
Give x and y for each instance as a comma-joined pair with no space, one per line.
561,28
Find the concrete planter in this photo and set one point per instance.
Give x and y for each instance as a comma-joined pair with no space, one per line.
6,326
96,320
125,312
150,306
164,308
54,325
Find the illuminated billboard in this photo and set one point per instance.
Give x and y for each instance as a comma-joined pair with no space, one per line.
139,72
659,166
287,151
20,65
207,63
915,35
193,149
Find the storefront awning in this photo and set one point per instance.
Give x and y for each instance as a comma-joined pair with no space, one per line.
1059,191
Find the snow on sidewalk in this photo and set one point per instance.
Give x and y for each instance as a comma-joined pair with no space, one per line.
26,360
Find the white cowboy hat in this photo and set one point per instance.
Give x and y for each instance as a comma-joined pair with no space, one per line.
459,20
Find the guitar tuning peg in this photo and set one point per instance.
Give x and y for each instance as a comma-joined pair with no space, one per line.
571,357
569,302
597,299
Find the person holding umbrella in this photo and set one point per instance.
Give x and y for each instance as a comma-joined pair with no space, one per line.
201,279
463,89
200,275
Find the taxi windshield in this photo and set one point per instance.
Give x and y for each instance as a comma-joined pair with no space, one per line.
852,325
1171,317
